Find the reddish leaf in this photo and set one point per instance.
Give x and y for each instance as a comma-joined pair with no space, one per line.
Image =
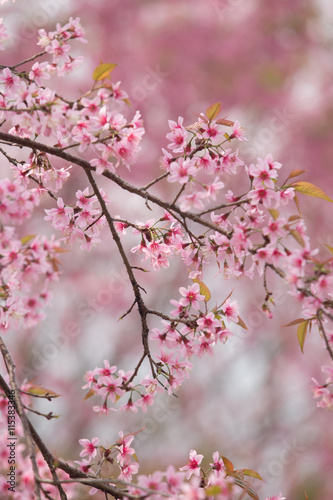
241,323
89,394
224,121
297,205
292,218
228,465
295,322
296,173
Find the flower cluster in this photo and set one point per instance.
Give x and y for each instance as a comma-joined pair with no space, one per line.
27,265
90,123
242,232
188,332
80,222
322,391
120,454
220,481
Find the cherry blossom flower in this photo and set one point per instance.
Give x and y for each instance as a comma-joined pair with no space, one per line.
177,136
230,309
191,296
237,132
181,170
192,466
89,447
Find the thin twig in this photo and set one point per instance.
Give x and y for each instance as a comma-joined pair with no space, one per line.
136,287
158,179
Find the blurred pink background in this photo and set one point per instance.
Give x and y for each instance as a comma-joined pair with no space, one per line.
270,64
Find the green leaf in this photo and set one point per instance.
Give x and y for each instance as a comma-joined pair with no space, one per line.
213,490
274,213
204,290
27,239
328,247
252,473
103,71
301,333
310,190
41,391
213,110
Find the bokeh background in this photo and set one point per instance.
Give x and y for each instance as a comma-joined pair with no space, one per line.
270,64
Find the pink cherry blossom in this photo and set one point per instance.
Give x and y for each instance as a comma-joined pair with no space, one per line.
193,464
191,296
89,447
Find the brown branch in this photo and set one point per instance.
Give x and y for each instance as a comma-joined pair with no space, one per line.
158,179
322,330
10,366
54,463
12,139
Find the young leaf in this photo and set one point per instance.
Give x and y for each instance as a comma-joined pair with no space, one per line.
228,465
274,213
310,190
301,333
40,391
252,473
298,237
213,490
297,205
246,487
225,300
292,218
294,322
241,323
328,247
213,110
27,238
89,394
295,173
60,250
204,290
103,71
224,121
